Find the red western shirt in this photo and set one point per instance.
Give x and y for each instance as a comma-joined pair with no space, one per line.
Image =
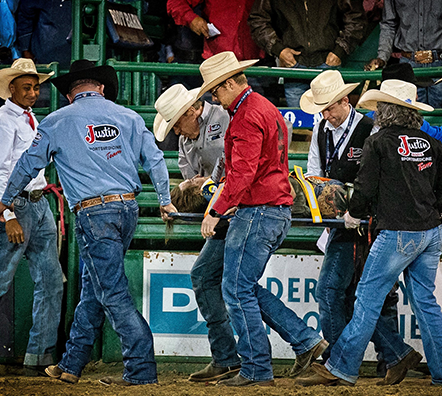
229,17
256,155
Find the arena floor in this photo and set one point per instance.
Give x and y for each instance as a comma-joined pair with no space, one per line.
174,382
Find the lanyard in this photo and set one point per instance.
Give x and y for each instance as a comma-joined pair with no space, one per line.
330,158
86,94
247,93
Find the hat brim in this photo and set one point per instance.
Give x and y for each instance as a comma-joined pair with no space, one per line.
309,106
7,75
208,85
161,127
105,75
371,98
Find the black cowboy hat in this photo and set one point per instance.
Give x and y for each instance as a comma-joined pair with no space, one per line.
404,72
85,69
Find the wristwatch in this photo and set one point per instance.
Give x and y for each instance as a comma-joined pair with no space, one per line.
214,213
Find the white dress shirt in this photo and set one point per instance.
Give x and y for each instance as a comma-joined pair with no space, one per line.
16,136
314,159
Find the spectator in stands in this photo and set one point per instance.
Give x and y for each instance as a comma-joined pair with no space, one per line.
30,229
401,170
201,127
229,18
97,146
314,34
8,47
335,152
404,72
257,184
414,28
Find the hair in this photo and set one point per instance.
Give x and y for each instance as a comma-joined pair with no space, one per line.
389,114
240,78
189,200
77,83
197,105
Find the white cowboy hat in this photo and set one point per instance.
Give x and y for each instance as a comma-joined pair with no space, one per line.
397,92
20,67
326,88
171,105
219,68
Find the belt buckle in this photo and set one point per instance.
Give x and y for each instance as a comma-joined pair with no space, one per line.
35,195
423,56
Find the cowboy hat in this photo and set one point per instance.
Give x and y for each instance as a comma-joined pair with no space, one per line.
171,105
219,68
20,67
404,72
326,88
397,92
84,69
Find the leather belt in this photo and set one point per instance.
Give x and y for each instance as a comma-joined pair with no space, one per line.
101,200
33,196
426,56
241,206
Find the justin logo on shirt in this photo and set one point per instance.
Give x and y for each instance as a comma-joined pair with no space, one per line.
354,153
101,133
412,146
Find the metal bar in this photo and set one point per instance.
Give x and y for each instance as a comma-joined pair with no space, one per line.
101,32
299,222
77,20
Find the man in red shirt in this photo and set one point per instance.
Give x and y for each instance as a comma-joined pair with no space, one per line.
229,17
257,187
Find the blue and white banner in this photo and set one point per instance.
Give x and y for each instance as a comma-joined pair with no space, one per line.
170,307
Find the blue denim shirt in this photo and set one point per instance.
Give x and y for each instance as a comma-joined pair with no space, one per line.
96,146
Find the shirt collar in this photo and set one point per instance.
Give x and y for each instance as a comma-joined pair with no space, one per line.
235,102
88,94
204,114
16,109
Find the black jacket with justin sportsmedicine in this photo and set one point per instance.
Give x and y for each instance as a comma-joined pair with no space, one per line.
401,170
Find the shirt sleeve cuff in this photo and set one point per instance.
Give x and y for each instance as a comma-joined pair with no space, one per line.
8,215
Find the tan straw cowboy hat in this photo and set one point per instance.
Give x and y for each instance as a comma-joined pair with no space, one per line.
219,68
326,88
171,105
397,92
20,67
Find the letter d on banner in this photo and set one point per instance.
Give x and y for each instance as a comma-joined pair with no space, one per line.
169,294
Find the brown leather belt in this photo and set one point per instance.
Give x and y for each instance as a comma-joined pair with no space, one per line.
100,200
426,56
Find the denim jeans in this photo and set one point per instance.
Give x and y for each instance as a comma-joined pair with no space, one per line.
104,233
254,234
294,90
40,249
430,95
335,293
206,275
416,254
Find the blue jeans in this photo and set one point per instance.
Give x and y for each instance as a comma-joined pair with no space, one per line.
40,249
254,234
335,293
430,95
294,90
416,254
206,275
104,233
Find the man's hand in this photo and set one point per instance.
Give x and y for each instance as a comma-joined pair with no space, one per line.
333,60
374,64
208,225
351,222
165,210
14,231
199,26
287,57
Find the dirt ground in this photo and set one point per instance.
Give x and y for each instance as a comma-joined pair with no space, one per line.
174,382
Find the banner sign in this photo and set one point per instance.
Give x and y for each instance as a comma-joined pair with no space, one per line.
170,307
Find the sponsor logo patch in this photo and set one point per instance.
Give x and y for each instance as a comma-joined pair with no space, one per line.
354,152
213,128
412,146
101,133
